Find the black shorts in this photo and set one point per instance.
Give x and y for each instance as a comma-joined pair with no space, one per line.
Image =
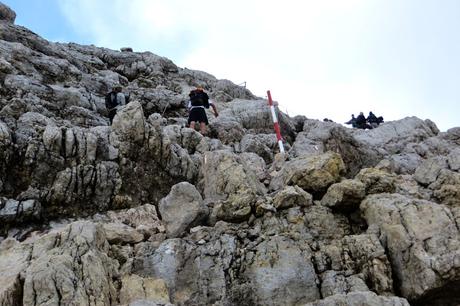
198,114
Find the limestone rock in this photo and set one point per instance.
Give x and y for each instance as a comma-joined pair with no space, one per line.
422,238
282,273
344,196
313,173
377,181
364,298
135,288
121,233
6,14
182,209
229,184
292,196
75,270
429,170
454,160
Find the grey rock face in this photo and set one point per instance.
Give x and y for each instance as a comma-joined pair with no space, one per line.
182,209
422,238
312,173
149,212
282,273
360,298
346,195
6,14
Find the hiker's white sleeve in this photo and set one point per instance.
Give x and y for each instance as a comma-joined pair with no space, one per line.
189,105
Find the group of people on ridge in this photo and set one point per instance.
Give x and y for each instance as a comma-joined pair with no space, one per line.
361,122
197,105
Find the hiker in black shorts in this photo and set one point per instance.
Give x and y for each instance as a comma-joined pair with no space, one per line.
199,101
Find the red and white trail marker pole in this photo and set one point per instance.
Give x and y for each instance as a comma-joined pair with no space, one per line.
275,122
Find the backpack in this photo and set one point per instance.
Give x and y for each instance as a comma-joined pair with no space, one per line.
199,98
111,100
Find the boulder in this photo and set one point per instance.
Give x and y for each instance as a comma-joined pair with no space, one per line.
363,298
314,174
429,170
6,14
422,240
181,209
119,233
345,195
377,181
292,196
135,289
282,273
230,185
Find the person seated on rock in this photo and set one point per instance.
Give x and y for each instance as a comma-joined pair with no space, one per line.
361,122
199,101
352,121
372,119
114,100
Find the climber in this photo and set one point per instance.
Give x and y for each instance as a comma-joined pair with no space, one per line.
352,121
361,122
114,100
372,119
199,100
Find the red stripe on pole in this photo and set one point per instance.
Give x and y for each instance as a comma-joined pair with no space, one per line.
276,125
270,101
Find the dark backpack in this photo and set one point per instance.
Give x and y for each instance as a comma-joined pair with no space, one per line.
111,100
199,98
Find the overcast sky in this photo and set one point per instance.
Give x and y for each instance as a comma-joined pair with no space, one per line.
319,58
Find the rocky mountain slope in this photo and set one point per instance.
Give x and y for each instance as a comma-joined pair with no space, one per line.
150,212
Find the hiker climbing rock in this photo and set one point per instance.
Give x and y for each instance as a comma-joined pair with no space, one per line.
352,121
114,100
361,122
199,100
373,120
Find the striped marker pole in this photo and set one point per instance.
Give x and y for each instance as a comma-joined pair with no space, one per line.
275,122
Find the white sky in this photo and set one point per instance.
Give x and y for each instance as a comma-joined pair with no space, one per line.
322,58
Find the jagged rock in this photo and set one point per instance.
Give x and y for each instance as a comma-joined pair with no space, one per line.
193,274
73,270
135,288
312,173
405,163
454,160
120,233
344,196
282,273
182,209
292,196
14,259
231,186
60,158
377,181
422,239
446,188
7,14
18,211
351,258
393,136
262,144
429,170
143,218
365,298
333,283
129,128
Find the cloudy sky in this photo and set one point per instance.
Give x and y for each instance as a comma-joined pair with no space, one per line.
327,58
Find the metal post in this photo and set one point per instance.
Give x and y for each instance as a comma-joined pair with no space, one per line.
275,122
